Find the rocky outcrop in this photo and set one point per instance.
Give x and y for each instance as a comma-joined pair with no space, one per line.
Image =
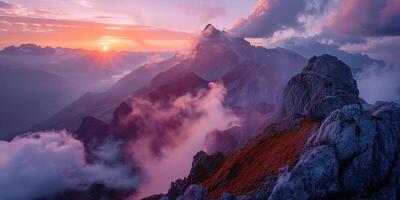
194,192
324,85
353,154
203,166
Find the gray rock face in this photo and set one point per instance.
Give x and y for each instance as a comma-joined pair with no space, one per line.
194,192
314,176
354,153
324,85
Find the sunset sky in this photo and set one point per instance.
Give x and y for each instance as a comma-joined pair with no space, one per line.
106,99
118,25
360,26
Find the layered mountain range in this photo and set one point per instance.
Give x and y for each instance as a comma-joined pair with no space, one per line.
277,127
253,76
38,81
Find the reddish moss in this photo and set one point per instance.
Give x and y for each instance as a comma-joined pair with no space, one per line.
246,169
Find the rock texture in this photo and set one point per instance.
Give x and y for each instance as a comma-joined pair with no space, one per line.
194,192
324,85
353,154
313,177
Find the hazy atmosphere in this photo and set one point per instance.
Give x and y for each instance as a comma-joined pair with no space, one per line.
196,100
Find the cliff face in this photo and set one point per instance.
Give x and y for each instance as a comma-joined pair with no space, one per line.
327,146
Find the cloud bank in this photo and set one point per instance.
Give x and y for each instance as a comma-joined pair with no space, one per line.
204,112
377,84
269,16
340,18
45,163
366,18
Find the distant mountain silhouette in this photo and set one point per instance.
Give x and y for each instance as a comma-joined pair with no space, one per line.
39,81
28,97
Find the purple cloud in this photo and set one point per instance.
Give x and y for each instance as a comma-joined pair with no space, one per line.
347,18
9,8
41,164
366,18
6,5
269,16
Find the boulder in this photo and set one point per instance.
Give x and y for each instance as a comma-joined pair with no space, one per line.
315,176
324,85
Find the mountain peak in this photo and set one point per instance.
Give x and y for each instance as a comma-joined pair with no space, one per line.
209,26
210,31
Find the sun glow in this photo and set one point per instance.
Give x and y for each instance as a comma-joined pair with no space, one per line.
105,48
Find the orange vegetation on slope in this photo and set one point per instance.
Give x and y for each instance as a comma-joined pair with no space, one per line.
246,169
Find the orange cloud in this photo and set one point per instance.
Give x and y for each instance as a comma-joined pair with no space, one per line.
88,35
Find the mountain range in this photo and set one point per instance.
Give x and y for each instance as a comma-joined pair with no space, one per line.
38,81
218,56
226,120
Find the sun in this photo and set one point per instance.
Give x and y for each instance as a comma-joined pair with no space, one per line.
105,48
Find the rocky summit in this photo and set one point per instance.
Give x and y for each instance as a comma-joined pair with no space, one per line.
324,85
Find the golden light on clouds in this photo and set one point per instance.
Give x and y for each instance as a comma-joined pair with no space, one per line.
88,35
